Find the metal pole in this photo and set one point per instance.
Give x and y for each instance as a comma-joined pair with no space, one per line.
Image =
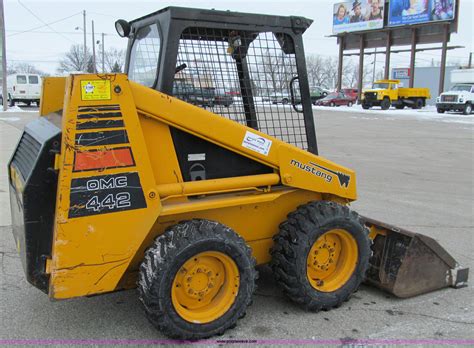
4,58
340,63
442,70
387,57
103,54
85,39
93,48
375,62
469,65
412,57
361,68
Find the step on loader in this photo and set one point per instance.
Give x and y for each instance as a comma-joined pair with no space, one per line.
145,180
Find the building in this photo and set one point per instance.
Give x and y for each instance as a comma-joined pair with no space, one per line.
425,77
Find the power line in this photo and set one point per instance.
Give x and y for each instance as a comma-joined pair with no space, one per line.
18,32
46,24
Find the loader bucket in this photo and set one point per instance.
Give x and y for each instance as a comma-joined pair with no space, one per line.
407,264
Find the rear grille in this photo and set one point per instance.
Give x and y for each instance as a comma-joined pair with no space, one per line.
26,155
449,98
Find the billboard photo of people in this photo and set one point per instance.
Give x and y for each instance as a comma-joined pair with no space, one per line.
357,15
419,11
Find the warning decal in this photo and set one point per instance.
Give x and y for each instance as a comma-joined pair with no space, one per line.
95,90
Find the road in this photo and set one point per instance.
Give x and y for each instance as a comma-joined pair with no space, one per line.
415,173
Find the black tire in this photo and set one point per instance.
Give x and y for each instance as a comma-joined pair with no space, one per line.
27,103
332,104
284,101
349,104
419,103
11,102
365,106
467,109
385,104
164,259
440,111
293,244
399,107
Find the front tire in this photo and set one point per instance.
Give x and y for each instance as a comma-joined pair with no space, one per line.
321,255
385,104
467,109
197,280
440,111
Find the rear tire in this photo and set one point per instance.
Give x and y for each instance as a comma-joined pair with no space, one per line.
295,255
365,106
467,109
182,268
440,111
11,102
284,101
385,104
349,104
332,104
419,103
399,107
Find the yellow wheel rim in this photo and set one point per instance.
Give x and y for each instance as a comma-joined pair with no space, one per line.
332,260
205,287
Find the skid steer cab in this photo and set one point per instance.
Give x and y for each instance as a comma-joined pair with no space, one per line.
181,176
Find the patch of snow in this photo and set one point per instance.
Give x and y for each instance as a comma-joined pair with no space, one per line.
427,113
10,119
16,108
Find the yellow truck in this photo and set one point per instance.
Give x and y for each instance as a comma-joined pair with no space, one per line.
386,93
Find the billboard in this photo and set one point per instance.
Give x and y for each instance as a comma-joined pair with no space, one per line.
357,15
403,12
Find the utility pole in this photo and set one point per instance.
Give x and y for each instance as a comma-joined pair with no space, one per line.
93,48
85,39
470,60
375,61
4,58
103,54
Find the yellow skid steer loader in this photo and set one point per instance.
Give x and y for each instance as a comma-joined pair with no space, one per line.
183,175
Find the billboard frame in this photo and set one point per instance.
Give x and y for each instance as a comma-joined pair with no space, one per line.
403,35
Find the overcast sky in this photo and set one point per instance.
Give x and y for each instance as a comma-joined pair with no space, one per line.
44,46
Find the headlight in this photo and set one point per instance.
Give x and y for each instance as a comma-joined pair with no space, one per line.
461,100
122,27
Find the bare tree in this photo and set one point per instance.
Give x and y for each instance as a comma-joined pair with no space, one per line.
315,67
74,60
330,72
115,60
25,68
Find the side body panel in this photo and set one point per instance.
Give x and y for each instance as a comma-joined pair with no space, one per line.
117,158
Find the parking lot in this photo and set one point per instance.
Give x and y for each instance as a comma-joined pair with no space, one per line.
412,171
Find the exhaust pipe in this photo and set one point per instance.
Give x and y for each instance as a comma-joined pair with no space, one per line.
407,264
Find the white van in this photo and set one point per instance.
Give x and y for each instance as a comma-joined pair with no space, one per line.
24,88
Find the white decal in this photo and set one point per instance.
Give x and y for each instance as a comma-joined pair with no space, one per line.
106,183
257,143
196,157
111,202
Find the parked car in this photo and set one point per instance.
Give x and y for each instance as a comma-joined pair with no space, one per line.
198,96
280,98
24,88
351,92
317,93
223,98
335,99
